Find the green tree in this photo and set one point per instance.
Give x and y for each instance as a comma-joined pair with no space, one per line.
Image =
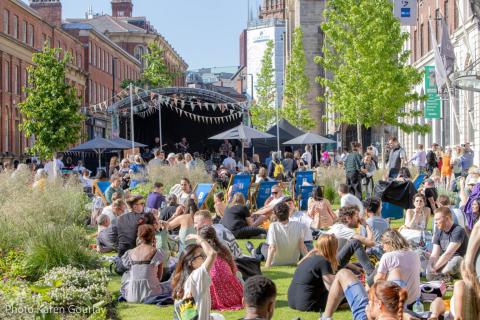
297,86
263,110
370,81
155,73
51,110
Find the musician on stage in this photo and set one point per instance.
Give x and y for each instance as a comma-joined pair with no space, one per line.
183,145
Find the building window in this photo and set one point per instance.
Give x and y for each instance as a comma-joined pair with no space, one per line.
90,52
98,58
7,77
421,40
445,11
16,78
24,31
94,55
437,24
31,35
15,27
429,38
6,22
6,126
93,97
415,47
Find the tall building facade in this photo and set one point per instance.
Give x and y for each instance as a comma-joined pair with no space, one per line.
459,114
272,9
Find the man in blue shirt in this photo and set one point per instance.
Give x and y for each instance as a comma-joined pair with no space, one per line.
155,198
467,158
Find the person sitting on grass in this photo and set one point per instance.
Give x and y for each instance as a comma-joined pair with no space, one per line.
236,218
106,240
400,264
311,281
350,243
115,186
449,246
259,295
320,210
220,206
284,239
264,213
116,209
385,300
183,218
348,199
191,280
172,205
155,199
417,218
378,225
226,289
302,217
144,264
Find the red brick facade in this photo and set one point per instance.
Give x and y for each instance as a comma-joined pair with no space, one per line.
272,9
122,8
421,42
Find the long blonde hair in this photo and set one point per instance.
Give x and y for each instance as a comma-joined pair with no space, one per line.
327,245
394,240
471,282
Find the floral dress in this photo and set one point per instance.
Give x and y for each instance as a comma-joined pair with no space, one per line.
226,289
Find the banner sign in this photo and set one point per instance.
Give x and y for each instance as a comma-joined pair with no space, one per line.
432,105
406,11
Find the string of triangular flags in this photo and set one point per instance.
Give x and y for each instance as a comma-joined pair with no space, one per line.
103,106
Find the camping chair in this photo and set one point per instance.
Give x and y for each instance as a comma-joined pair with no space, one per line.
305,192
239,183
202,192
392,211
302,178
262,192
102,187
417,182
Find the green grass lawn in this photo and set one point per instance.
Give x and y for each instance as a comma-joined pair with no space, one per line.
282,277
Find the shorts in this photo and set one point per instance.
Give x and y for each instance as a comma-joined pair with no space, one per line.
357,300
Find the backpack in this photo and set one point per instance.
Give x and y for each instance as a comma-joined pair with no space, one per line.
278,170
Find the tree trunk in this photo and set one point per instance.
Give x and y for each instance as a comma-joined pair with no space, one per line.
359,133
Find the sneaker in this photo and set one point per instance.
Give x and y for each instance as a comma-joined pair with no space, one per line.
250,247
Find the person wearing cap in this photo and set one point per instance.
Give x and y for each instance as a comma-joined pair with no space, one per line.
127,224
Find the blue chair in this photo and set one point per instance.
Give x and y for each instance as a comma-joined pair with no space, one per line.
103,186
392,211
263,192
302,177
240,183
419,180
202,192
305,193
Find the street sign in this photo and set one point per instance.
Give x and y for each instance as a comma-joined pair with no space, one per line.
406,11
432,105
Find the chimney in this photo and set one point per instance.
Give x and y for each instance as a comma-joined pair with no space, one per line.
49,10
122,8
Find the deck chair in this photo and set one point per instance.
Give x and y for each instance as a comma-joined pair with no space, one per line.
417,182
302,178
305,192
103,186
240,183
262,192
392,211
202,192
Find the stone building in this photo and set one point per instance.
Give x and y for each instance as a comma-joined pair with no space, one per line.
459,118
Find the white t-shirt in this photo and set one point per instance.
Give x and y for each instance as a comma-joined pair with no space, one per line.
286,238
408,262
303,218
341,231
198,284
307,157
350,200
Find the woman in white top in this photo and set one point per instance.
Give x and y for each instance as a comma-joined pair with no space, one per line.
191,279
417,218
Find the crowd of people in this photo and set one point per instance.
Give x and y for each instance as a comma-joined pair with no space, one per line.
170,252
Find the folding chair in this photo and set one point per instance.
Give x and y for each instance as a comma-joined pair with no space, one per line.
392,211
305,192
202,192
239,183
302,178
419,180
102,187
262,192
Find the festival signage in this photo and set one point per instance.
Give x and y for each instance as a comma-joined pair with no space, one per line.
432,105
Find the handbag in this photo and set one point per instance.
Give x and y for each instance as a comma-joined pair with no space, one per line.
185,309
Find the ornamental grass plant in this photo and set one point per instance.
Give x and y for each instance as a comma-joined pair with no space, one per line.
43,225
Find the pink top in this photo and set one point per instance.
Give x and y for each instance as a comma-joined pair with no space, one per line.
226,289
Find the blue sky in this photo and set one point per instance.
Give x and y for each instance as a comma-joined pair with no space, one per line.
204,32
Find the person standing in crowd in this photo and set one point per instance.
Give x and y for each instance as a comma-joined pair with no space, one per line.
446,171
449,246
326,161
155,199
419,159
368,170
79,168
311,281
229,162
353,165
467,158
259,295
347,199
183,145
307,156
456,162
289,165
432,160
276,170
158,160
225,149
396,159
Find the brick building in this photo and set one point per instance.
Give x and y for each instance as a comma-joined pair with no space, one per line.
272,9
460,116
23,32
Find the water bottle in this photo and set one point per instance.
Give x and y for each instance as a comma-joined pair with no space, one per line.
418,307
